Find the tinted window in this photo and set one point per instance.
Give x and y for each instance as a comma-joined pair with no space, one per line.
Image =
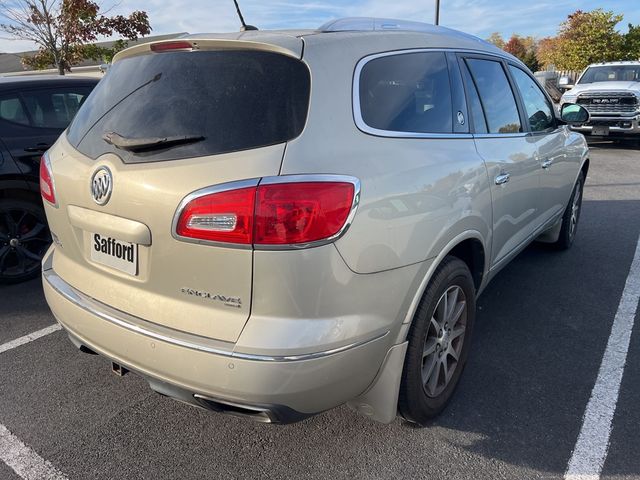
11,110
479,122
407,93
535,102
54,108
496,96
230,100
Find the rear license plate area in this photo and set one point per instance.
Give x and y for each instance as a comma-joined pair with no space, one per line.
114,253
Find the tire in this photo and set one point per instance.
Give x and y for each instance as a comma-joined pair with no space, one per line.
24,239
571,216
422,395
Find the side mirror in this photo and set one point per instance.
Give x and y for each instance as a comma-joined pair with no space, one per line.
573,114
104,67
565,83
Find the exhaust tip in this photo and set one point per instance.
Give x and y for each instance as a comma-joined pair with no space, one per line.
254,413
118,369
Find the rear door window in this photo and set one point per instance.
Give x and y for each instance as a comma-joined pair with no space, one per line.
221,101
496,96
12,110
407,92
477,114
54,107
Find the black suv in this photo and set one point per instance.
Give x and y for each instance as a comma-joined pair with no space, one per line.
34,111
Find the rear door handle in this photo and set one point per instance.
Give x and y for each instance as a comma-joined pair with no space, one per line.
547,163
502,178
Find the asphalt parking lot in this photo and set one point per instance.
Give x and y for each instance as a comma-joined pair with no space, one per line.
541,332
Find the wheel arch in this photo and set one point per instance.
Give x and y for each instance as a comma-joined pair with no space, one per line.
380,401
469,246
585,167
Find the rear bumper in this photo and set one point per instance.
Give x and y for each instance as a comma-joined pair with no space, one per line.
212,375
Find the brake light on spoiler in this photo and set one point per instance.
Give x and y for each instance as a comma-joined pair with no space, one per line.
293,211
171,46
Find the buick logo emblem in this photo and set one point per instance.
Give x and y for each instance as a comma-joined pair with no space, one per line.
101,185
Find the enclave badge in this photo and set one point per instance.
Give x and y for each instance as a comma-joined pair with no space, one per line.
101,185
235,302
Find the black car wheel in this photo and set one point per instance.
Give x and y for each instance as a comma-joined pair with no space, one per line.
571,216
439,341
24,239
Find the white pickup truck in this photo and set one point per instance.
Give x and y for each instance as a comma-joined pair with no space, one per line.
611,93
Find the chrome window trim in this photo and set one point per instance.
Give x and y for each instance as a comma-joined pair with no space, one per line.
191,341
357,111
272,180
355,97
502,135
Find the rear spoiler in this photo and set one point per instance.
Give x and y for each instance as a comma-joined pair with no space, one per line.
195,44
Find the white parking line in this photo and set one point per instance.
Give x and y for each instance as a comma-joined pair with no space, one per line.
24,461
591,448
29,338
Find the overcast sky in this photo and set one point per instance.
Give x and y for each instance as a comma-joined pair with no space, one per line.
480,17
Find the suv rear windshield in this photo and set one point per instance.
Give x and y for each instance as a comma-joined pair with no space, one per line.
193,104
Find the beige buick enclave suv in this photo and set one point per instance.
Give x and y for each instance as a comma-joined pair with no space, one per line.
272,224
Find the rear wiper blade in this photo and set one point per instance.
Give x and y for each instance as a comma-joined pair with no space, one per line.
149,143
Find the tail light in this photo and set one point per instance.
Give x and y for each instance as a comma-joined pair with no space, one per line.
225,216
47,187
297,210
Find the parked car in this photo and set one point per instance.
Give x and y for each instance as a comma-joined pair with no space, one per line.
611,93
33,113
255,246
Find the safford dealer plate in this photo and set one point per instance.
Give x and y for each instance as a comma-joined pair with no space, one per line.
114,253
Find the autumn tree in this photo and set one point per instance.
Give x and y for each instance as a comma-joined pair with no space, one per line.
547,52
65,31
585,38
632,43
515,47
496,39
524,48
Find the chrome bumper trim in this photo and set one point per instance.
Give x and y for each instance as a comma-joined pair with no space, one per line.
168,335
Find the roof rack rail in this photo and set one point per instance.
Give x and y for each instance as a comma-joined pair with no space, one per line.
368,24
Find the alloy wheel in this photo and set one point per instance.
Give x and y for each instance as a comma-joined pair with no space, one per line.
24,238
444,341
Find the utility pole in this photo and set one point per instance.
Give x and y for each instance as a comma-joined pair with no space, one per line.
437,22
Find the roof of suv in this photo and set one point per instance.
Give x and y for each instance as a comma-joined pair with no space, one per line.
382,34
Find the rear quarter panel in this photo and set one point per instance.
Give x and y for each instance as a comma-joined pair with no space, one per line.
416,195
